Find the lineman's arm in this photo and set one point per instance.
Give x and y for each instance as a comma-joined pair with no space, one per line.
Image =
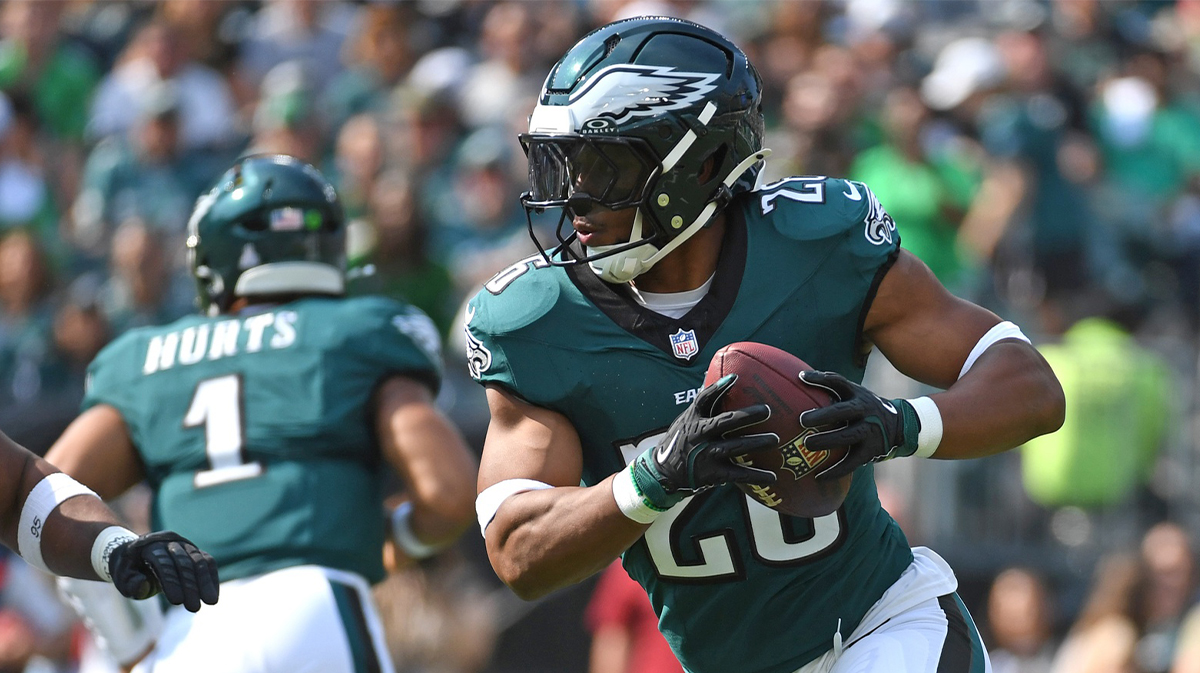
432,457
96,450
545,539
69,530
1008,396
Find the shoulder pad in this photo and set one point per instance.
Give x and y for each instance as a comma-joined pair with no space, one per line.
367,310
117,349
386,330
517,296
818,207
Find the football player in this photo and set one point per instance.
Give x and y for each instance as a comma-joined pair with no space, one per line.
264,426
80,537
647,138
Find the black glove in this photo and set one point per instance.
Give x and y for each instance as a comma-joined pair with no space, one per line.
697,451
166,562
873,428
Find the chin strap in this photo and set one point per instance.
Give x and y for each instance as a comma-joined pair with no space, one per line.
625,266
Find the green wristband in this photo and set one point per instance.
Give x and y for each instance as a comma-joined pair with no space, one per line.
645,479
912,429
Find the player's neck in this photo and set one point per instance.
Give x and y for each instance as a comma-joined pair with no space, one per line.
690,265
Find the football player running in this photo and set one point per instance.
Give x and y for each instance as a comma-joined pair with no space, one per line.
647,136
263,427
54,530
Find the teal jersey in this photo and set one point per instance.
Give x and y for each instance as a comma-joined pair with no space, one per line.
255,429
736,586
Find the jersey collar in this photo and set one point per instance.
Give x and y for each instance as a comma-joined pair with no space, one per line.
617,302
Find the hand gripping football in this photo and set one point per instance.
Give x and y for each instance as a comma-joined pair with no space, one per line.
771,376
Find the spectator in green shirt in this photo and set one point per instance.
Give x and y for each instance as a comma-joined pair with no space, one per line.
927,195
58,76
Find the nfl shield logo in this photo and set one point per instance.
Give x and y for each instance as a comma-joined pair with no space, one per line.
684,344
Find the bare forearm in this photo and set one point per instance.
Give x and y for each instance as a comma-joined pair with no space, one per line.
426,448
442,480
70,533
67,534
547,539
1007,398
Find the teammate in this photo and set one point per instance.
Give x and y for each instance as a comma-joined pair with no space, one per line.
54,530
263,427
647,136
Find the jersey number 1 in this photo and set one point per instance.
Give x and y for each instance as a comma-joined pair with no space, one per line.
217,405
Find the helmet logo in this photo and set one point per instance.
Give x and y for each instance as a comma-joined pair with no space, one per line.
622,92
598,124
249,257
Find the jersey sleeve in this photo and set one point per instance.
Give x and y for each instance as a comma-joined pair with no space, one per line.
834,232
872,240
508,322
109,374
868,250
396,338
486,359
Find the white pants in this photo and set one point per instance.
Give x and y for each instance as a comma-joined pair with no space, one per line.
305,619
917,626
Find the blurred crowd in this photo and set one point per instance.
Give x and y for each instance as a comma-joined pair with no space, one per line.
1042,157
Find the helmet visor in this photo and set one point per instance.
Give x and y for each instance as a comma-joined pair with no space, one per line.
612,172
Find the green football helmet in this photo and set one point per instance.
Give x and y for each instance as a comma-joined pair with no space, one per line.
628,118
271,226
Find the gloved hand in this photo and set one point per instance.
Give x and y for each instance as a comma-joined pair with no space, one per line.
875,429
165,562
697,451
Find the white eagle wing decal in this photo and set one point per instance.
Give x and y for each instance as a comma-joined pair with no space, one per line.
621,92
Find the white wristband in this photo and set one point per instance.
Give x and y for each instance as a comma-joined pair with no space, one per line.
930,435
46,496
629,498
405,538
999,332
102,548
488,502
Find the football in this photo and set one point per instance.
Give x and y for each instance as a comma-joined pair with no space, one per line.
771,376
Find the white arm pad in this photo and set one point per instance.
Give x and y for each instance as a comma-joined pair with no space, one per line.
488,502
405,538
123,627
1004,330
52,491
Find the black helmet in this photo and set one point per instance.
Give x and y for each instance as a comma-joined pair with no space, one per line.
627,118
271,225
